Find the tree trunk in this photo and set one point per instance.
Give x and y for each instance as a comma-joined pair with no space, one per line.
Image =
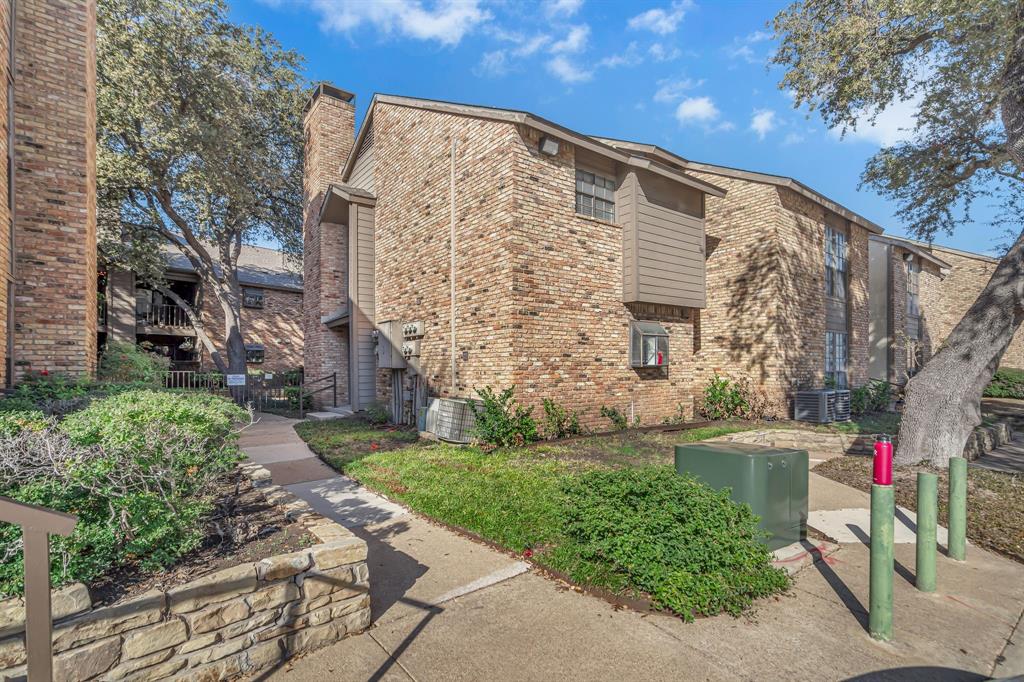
943,401
197,324
229,295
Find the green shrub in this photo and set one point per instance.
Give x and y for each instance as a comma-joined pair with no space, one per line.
129,363
13,422
560,422
43,387
16,404
137,469
377,413
618,420
692,549
501,421
723,400
873,396
292,393
1006,383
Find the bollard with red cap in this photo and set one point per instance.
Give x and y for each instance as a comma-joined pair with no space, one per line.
883,513
882,471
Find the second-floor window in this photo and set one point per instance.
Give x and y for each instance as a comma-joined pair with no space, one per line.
913,288
252,298
595,195
835,263
254,353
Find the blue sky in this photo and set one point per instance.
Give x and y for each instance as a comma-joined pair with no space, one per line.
688,75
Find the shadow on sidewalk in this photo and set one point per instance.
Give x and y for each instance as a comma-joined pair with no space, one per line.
849,599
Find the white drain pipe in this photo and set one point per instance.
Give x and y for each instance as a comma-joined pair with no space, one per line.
451,275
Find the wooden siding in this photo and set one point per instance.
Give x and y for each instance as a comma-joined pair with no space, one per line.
362,170
363,361
663,241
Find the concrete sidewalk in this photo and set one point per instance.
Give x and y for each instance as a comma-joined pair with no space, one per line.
447,608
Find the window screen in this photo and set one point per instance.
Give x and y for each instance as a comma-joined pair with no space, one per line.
595,195
252,298
836,355
835,262
254,353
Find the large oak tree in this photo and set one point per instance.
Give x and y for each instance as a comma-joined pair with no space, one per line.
200,147
961,64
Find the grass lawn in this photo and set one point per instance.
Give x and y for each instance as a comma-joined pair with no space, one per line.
513,497
995,501
878,422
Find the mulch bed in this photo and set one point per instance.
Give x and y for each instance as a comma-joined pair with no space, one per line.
995,501
243,527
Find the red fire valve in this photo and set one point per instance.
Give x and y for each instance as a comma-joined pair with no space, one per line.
882,471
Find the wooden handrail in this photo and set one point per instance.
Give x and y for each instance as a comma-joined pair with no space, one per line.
37,525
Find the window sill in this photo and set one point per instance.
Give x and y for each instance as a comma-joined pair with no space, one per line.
599,221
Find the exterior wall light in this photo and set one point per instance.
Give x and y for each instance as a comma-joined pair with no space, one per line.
549,146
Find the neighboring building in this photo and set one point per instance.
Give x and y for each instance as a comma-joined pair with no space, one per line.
919,292
271,312
48,188
450,247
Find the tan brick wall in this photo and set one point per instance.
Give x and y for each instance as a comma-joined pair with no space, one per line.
412,254
6,78
949,298
277,325
55,181
330,133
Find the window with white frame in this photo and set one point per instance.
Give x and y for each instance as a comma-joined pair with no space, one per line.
836,356
595,195
835,262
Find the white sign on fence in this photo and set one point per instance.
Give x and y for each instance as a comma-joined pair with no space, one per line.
235,379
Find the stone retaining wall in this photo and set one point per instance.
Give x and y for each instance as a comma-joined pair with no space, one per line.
233,622
828,444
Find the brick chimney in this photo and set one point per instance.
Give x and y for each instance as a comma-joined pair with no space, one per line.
329,128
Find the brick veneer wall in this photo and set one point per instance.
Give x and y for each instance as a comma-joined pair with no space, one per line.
330,133
5,212
412,245
951,297
277,325
55,187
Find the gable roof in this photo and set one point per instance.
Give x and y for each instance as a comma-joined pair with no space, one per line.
915,247
257,266
517,117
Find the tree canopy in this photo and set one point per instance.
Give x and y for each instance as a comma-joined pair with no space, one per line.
850,59
200,139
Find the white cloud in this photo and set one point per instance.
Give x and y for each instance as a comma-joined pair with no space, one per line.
492,64
697,110
893,125
531,45
574,41
444,21
742,48
631,57
670,90
561,8
763,122
659,20
567,72
793,138
660,53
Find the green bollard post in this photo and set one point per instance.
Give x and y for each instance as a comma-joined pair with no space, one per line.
957,544
927,521
883,511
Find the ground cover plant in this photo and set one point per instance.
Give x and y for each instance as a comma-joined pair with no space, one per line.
558,502
1006,383
995,501
137,468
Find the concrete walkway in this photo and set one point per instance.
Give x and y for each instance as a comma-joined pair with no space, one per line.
446,608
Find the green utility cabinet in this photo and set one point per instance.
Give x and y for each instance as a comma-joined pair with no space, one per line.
773,481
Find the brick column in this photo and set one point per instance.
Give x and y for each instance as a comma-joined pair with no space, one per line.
329,127
55,187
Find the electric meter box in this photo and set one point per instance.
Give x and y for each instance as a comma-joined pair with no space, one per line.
773,481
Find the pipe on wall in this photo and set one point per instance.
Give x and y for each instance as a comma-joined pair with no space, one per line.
451,275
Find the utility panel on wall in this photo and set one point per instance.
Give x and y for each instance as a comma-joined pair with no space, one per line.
389,345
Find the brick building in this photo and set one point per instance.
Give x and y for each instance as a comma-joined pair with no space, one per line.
919,292
48,187
449,247
271,312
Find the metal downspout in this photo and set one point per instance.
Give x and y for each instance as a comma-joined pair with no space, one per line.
452,273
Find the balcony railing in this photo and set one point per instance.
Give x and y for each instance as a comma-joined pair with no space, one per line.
166,316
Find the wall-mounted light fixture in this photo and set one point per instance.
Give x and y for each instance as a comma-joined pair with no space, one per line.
548,145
